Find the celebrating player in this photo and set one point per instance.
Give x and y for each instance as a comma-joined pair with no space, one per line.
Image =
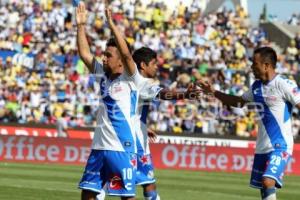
274,97
112,161
145,60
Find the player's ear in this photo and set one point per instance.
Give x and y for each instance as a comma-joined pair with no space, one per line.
267,65
143,65
120,63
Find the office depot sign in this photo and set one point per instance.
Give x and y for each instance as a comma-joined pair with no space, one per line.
44,150
209,158
165,156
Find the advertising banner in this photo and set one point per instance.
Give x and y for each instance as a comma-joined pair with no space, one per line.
165,156
207,158
44,150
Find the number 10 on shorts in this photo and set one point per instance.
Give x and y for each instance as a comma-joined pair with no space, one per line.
127,176
127,173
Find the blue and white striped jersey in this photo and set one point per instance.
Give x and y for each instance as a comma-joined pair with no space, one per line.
148,91
274,105
115,128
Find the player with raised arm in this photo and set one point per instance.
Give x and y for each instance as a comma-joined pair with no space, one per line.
145,60
274,96
112,161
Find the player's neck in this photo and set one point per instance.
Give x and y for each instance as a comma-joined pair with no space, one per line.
269,77
113,76
143,73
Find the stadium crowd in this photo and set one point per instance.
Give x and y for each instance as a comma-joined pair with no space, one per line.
190,47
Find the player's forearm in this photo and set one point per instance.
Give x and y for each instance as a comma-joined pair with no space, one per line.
230,100
122,47
83,47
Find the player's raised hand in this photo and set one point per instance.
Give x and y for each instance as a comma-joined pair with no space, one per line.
81,14
193,92
108,12
206,87
152,135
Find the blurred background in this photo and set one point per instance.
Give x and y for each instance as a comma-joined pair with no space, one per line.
44,82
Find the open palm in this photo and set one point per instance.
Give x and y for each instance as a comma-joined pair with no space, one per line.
81,14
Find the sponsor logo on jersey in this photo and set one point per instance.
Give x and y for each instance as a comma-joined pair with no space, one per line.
145,160
256,91
296,91
127,144
271,98
274,169
115,183
133,162
117,88
285,156
277,145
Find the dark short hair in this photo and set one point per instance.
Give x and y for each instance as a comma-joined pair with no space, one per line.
111,42
143,54
267,54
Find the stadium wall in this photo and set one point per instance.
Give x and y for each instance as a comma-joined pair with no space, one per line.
165,156
277,33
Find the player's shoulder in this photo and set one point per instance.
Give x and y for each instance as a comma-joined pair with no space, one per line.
124,80
284,81
151,81
154,81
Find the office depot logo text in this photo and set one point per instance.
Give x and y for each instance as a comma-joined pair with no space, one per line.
209,158
32,149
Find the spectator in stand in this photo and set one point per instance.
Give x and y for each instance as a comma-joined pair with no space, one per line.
62,125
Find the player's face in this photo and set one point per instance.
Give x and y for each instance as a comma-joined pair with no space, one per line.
112,61
258,67
151,68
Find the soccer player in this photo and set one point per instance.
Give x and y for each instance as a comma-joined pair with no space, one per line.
112,161
274,97
145,60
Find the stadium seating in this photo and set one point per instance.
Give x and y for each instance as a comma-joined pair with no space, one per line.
43,81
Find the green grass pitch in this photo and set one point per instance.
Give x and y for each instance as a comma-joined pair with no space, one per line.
51,182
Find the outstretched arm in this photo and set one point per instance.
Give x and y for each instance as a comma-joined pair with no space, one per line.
127,59
82,43
226,99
